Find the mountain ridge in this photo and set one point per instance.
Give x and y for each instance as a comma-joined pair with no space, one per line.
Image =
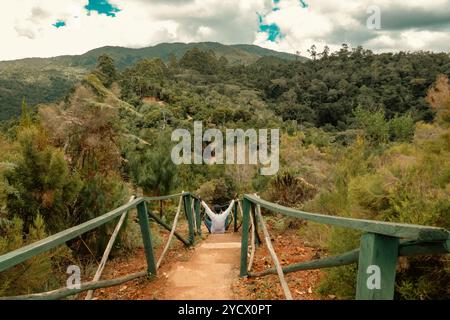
46,80
207,45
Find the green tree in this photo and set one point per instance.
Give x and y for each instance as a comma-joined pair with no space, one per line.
202,61
401,128
35,274
106,70
374,125
25,116
152,168
173,62
41,182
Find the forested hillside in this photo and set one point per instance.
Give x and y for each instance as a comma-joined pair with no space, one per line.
363,135
48,80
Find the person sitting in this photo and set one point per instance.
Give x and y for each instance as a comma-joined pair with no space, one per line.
208,223
217,218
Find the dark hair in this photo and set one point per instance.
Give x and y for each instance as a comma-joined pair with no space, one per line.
217,208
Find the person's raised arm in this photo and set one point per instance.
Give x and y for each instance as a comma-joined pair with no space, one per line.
227,212
208,210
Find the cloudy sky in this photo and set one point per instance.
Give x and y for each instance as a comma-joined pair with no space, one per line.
43,28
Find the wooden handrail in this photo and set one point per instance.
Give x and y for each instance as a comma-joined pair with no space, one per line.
398,230
169,197
66,292
275,259
381,244
406,249
20,255
15,257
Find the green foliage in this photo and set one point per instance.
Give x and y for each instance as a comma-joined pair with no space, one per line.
201,61
151,167
348,120
40,183
327,90
25,117
218,191
145,79
423,278
405,183
100,194
36,273
374,125
290,190
401,128
106,70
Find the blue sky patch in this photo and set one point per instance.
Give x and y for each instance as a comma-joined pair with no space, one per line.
59,24
102,7
273,31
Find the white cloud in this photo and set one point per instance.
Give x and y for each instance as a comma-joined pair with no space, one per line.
27,28
332,23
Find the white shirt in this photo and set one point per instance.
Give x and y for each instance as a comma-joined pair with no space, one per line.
217,220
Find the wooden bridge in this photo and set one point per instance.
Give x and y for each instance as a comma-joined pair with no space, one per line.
380,246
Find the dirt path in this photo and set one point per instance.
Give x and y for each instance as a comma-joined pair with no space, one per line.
209,273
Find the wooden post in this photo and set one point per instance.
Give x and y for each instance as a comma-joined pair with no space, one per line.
172,233
253,244
377,267
146,237
189,216
108,249
258,240
275,259
235,215
244,244
197,216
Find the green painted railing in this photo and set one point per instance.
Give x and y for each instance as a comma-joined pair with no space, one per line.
380,246
18,256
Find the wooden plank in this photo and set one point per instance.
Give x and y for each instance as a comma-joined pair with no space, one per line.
194,219
377,267
244,239
172,232
65,292
168,228
189,216
258,240
277,263
235,216
108,249
399,230
15,257
242,214
146,237
253,240
198,218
